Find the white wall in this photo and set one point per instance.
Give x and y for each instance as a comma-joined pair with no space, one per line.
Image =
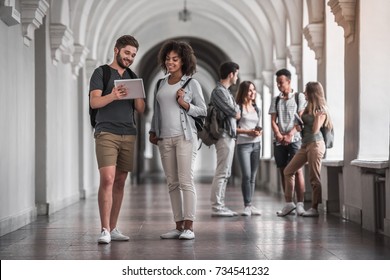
17,141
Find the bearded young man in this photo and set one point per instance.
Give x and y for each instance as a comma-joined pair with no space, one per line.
115,135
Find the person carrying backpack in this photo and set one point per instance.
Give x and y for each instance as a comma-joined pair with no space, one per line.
248,143
315,116
115,135
173,130
283,110
222,99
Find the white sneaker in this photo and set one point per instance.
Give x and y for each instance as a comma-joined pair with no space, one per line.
255,211
224,212
247,211
311,213
105,237
300,209
116,235
173,234
231,211
187,234
287,209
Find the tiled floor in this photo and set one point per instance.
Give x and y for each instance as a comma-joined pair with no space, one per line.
71,233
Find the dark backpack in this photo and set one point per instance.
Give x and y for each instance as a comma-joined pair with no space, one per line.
212,128
106,78
199,121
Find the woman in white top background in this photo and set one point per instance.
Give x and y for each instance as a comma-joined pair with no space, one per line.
248,143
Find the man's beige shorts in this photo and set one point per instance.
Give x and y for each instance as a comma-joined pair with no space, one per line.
115,150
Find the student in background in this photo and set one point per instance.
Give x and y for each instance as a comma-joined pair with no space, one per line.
248,146
223,100
315,116
287,138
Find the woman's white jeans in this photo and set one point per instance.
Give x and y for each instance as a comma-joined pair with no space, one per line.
178,158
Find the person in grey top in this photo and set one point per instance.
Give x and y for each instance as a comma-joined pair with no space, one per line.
173,129
287,139
115,135
315,116
222,99
248,143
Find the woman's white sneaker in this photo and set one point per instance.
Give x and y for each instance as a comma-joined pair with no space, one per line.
187,234
173,234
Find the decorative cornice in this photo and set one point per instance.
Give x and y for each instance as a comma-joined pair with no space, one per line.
314,34
61,41
79,56
294,53
344,12
33,12
8,13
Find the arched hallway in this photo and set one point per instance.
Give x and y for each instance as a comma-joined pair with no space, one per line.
71,233
48,171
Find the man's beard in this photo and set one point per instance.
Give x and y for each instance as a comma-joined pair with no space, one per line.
119,61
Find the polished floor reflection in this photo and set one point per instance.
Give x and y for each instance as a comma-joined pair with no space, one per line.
72,233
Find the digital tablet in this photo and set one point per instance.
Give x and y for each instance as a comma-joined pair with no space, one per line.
135,88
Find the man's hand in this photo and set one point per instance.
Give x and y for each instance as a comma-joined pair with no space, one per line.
119,92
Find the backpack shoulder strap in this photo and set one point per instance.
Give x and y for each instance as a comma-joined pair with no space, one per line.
297,100
159,82
186,83
106,76
241,109
131,73
276,104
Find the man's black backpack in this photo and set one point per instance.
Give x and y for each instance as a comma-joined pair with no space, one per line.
106,78
212,128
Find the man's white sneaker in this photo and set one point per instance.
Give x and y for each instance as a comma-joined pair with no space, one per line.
287,209
231,211
300,210
173,234
247,211
105,237
187,234
224,212
311,213
116,235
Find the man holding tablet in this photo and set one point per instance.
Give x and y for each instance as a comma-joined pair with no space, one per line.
115,135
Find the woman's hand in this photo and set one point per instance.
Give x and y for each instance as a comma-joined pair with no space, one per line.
153,138
180,99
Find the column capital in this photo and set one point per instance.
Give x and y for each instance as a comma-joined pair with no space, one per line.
79,57
294,53
33,12
267,77
344,12
61,42
8,13
314,34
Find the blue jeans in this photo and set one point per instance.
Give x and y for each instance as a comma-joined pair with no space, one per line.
249,159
